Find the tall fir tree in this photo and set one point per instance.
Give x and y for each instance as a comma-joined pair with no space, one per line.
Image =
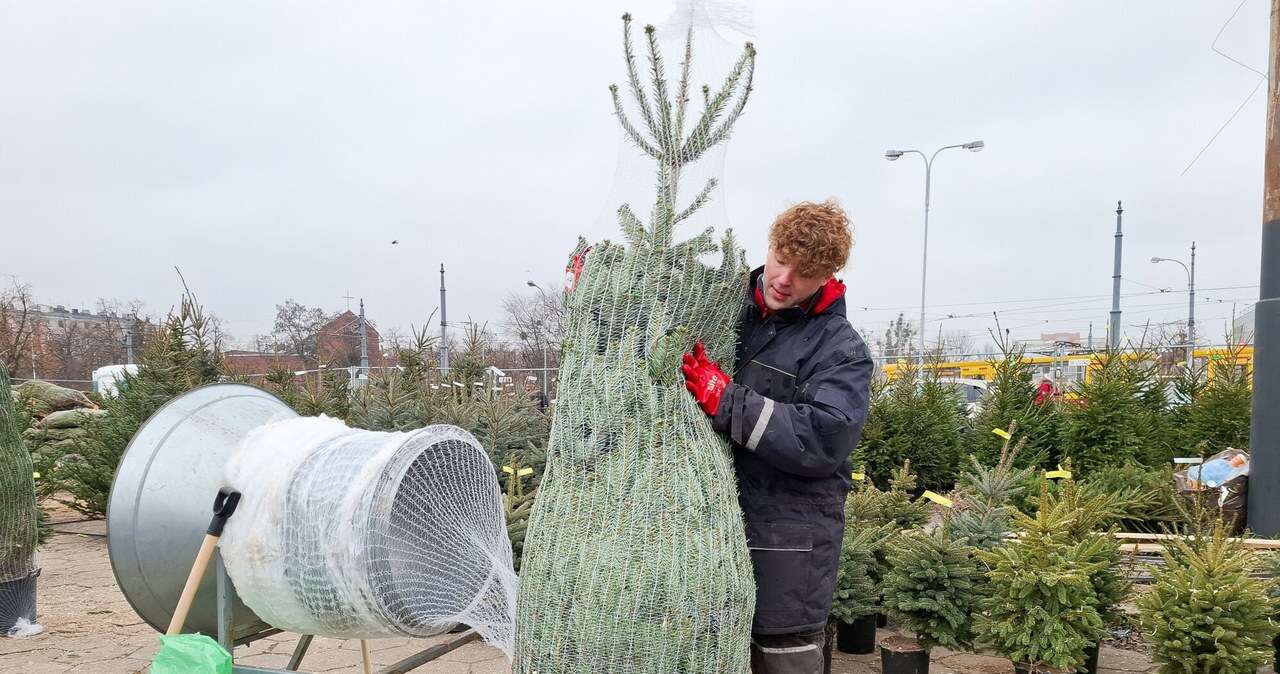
181,357
1010,398
915,417
1119,419
664,585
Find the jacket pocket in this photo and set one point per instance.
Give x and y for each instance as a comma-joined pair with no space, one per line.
782,559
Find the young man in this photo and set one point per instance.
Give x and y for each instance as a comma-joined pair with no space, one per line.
793,411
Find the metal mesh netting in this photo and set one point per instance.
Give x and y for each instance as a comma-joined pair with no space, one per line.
635,558
359,534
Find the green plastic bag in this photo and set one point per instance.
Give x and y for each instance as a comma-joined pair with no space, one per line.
190,654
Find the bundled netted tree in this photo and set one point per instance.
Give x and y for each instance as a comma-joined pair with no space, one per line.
18,519
182,356
635,559
1206,611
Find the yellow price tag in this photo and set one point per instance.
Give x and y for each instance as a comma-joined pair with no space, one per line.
938,498
1002,433
523,471
858,477
1058,474
35,476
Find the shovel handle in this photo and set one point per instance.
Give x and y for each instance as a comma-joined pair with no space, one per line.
223,505
193,583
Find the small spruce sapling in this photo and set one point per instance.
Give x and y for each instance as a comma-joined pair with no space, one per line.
1206,612
1040,606
931,587
856,593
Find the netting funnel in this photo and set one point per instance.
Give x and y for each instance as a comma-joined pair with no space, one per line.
358,534
635,560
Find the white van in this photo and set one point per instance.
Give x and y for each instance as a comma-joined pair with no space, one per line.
107,378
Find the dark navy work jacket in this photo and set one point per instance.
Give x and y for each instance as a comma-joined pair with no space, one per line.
794,413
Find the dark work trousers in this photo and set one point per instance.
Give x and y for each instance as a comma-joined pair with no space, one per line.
806,653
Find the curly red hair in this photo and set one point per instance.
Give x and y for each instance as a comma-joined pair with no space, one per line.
816,237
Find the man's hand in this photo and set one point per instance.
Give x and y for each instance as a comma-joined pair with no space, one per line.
704,379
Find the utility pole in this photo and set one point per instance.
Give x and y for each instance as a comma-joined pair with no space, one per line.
1090,336
364,343
444,327
1264,441
1191,312
1113,333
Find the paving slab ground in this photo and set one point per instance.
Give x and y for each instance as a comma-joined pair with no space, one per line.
90,629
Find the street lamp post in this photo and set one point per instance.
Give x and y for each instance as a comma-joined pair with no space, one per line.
1191,307
546,374
894,155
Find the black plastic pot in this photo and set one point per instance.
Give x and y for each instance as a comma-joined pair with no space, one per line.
882,620
904,662
1090,665
857,637
18,600
1275,645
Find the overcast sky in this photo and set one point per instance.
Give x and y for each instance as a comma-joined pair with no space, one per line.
275,150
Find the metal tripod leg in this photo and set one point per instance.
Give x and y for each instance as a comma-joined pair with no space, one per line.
298,651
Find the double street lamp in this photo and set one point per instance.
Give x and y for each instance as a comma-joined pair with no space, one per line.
1191,307
894,155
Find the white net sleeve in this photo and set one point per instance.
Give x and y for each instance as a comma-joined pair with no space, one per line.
359,534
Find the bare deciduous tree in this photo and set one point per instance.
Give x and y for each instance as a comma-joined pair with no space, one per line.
17,326
296,329
533,322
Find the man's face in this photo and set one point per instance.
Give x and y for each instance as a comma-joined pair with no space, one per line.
784,286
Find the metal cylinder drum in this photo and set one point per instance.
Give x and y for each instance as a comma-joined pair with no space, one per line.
161,498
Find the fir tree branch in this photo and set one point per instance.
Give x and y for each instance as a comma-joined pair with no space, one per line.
682,96
661,101
703,197
702,243
631,225
727,125
700,138
633,77
627,127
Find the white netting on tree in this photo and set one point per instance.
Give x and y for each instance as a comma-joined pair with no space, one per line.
635,558
360,534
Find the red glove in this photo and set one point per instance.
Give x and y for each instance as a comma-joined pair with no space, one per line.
704,379
574,270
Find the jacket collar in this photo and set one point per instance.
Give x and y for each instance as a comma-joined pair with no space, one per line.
825,300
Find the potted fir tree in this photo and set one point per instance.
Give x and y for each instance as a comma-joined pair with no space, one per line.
1206,612
18,534
868,506
1041,605
857,599
931,589
1093,514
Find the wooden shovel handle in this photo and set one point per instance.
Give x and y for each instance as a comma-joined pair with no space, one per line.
193,583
